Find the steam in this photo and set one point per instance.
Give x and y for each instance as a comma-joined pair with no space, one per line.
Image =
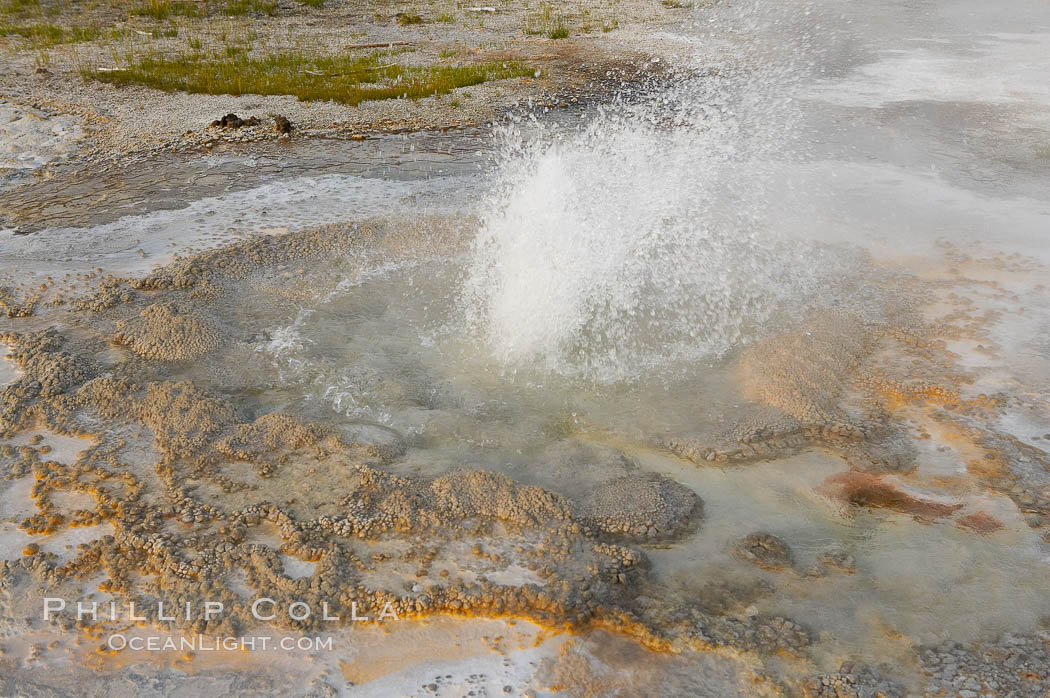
646,239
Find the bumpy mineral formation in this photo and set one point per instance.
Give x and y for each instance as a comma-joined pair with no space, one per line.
201,479
163,333
646,506
765,550
200,493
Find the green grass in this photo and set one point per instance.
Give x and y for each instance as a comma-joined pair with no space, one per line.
42,34
546,22
169,31
46,34
346,79
20,8
88,33
407,18
445,18
161,10
312,3
236,8
558,30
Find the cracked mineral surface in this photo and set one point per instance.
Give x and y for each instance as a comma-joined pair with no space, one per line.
320,454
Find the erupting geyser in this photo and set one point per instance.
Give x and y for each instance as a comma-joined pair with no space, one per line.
648,237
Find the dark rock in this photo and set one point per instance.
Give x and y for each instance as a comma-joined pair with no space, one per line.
234,121
281,124
838,560
765,550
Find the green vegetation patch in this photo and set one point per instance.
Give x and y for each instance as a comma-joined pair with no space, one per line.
20,8
347,78
161,10
236,8
546,21
46,34
558,30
